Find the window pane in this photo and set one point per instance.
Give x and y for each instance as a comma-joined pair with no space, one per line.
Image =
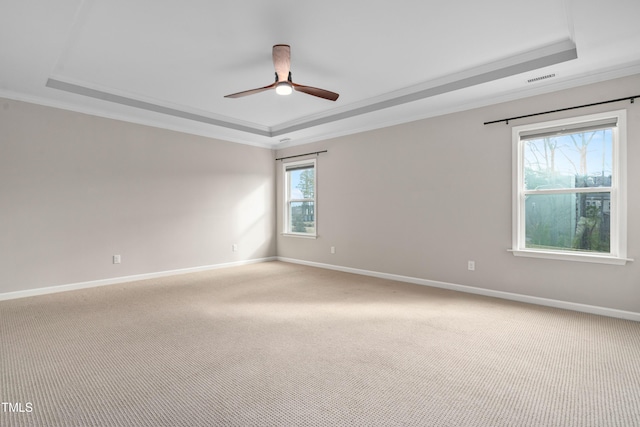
575,160
578,222
302,217
301,183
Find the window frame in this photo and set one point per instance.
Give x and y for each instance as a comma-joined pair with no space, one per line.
618,190
287,200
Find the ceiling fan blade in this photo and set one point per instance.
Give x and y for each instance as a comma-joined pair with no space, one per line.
320,93
251,91
282,61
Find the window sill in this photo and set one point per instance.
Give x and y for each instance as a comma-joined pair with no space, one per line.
300,235
566,256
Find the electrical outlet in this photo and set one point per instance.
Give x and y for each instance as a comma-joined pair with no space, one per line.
117,259
234,247
471,265
333,249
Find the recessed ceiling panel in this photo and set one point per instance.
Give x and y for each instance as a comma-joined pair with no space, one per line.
193,53
179,59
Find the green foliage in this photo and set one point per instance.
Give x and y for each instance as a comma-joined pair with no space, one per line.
307,183
588,232
567,221
298,225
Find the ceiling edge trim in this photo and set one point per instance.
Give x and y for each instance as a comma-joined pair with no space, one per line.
536,59
47,102
131,102
582,80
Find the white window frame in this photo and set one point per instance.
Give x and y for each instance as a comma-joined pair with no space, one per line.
288,200
618,238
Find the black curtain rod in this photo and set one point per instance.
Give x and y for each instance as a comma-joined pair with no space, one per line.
632,98
300,155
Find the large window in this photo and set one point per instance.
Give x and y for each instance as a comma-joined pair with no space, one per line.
570,189
300,198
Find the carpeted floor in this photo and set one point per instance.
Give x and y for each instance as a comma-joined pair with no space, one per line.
277,344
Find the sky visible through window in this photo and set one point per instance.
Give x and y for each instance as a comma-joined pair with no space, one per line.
298,183
295,183
577,154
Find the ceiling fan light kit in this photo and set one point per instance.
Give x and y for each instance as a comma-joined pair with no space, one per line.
283,84
284,88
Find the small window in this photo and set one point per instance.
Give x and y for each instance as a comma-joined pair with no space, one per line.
569,198
300,198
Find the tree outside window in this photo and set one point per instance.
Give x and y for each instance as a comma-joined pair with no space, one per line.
300,204
569,219
570,189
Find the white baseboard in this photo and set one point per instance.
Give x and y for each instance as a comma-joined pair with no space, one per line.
603,311
124,279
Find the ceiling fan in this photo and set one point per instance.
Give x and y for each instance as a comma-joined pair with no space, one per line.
283,84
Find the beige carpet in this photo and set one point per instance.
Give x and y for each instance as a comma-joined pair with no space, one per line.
277,344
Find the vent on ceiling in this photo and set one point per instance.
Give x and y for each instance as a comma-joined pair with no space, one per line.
536,79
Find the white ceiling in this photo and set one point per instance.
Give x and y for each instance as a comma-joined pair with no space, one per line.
169,63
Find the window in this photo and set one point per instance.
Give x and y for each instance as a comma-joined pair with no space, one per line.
569,198
300,198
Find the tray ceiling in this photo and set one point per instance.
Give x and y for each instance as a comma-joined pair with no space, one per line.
169,63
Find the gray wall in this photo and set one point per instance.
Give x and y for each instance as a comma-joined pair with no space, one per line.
77,189
421,199
416,200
